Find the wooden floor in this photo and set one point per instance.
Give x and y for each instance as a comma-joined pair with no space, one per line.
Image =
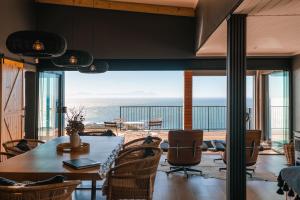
177,187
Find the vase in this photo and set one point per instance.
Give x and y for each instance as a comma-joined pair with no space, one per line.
75,140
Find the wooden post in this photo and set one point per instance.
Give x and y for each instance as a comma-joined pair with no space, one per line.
258,100
188,100
236,107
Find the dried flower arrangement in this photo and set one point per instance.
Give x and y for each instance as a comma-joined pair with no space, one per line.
75,118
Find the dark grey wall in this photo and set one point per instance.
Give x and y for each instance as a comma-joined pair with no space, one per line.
118,34
296,92
15,15
30,105
253,63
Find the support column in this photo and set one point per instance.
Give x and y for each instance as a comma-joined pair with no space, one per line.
188,101
30,105
265,121
236,107
258,100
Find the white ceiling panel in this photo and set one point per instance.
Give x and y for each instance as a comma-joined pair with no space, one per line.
273,28
270,7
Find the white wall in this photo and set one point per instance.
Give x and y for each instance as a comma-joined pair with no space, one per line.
296,92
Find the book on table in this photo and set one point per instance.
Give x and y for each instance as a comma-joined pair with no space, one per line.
81,163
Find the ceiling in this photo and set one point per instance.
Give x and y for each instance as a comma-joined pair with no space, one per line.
166,7
176,3
273,28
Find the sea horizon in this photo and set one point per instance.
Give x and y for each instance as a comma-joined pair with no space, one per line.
98,110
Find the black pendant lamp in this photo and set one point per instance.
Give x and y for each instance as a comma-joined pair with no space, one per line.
37,44
95,68
74,59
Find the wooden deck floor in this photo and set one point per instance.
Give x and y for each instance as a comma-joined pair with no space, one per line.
177,187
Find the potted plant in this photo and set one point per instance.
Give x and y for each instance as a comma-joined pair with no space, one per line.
75,118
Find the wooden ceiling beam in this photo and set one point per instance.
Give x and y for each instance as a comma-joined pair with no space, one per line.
125,6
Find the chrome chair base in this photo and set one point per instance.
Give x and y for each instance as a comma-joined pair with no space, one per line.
183,169
247,171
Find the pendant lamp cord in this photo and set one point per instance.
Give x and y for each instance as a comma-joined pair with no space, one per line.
73,27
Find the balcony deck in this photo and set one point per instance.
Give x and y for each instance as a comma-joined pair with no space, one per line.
131,135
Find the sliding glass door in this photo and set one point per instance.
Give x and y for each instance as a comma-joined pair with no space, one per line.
50,119
278,108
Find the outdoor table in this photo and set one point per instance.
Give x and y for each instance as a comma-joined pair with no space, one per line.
134,125
44,161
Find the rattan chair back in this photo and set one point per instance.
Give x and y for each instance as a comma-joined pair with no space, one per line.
10,146
59,191
135,178
140,142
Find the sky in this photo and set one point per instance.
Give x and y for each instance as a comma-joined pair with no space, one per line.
135,84
125,84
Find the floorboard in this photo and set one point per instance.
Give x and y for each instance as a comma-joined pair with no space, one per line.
177,187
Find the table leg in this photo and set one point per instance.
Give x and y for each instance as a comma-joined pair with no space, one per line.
93,192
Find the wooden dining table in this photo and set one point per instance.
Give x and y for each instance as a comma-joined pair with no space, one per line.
45,162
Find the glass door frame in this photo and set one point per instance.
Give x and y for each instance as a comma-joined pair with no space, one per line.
266,126
257,123
61,100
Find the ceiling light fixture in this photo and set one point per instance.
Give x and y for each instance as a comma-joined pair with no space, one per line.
36,44
73,59
97,67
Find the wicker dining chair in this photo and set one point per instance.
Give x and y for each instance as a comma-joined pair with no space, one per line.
10,146
4,156
59,191
133,179
140,143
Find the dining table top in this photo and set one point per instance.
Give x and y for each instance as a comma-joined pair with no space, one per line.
44,161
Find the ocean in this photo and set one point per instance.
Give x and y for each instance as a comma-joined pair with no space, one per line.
98,110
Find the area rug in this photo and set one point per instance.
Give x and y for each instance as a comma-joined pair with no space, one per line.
210,169
270,152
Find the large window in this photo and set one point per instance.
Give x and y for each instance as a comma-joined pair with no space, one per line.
136,96
209,102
